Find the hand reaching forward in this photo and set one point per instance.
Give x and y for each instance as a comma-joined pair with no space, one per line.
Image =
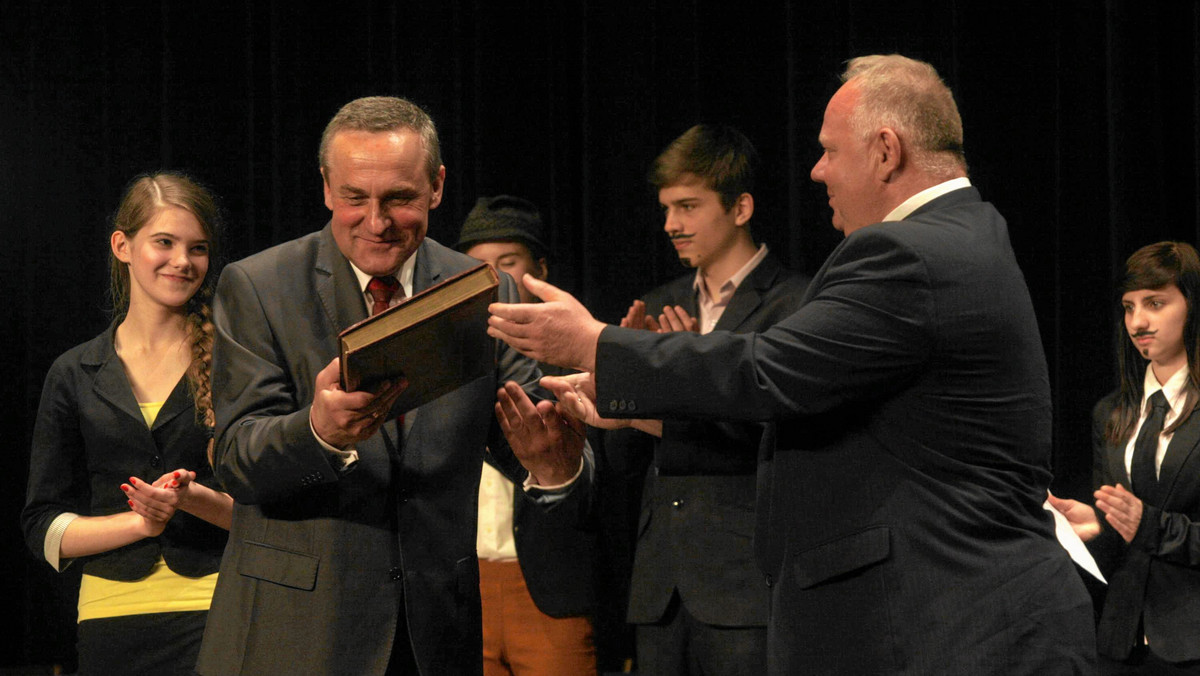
558,331
1082,517
342,419
1122,509
576,394
548,444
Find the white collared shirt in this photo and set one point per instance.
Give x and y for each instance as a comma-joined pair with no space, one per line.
926,196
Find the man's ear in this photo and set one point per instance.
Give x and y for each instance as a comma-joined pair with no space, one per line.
436,196
325,187
890,154
543,270
743,209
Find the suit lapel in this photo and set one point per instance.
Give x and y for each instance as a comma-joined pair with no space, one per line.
1179,451
111,384
336,286
748,295
177,402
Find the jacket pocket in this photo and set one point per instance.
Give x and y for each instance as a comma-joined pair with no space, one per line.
281,566
843,556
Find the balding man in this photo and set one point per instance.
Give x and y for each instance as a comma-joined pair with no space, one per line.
900,496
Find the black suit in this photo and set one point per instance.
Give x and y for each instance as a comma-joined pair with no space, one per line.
319,560
901,511
697,517
1156,578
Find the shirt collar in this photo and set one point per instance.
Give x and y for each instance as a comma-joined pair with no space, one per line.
404,275
925,197
736,280
1172,389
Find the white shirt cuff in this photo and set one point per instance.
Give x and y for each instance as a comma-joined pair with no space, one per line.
348,458
528,484
52,546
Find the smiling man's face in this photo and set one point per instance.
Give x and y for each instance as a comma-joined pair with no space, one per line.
378,186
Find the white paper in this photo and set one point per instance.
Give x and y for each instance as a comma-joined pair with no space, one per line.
1071,542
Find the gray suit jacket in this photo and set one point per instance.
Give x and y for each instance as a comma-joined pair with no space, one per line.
320,560
900,495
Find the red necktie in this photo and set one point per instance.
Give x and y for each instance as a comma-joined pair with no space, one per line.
382,289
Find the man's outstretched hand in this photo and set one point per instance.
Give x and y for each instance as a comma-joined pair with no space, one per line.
557,331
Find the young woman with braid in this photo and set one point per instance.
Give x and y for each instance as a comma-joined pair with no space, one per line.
1146,465
119,475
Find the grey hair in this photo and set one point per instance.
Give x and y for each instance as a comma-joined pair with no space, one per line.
910,97
380,114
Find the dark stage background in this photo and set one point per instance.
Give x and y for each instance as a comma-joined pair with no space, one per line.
1081,126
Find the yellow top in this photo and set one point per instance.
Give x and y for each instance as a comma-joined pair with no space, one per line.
162,591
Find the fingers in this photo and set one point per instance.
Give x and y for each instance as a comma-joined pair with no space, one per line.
1063,505
148,501
330,376
635,318
652,324
515,410
544,290
675,318
1123,510
571,403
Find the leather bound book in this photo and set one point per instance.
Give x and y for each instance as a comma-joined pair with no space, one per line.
437,339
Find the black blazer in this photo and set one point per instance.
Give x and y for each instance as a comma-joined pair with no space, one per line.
697,516
900,493
90,437
320,560
1155,578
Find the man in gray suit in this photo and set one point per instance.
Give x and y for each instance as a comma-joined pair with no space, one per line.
900,493
353,542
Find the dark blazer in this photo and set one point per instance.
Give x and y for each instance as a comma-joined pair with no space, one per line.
697,517
319,559
1155,578
90,437
557,553
900,494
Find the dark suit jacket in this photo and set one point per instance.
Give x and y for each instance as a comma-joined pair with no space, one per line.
901,510
90,437
557,553
697,517
1155,578
320,560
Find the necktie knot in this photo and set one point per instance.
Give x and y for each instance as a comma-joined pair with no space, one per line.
382,289
1158,403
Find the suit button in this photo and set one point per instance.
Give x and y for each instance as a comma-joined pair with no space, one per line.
632,406
612,404
156,462
396,573
770,581
678,504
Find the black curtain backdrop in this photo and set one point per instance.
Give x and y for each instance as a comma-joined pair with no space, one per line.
1080,116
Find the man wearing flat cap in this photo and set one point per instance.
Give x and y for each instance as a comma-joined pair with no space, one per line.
536,566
